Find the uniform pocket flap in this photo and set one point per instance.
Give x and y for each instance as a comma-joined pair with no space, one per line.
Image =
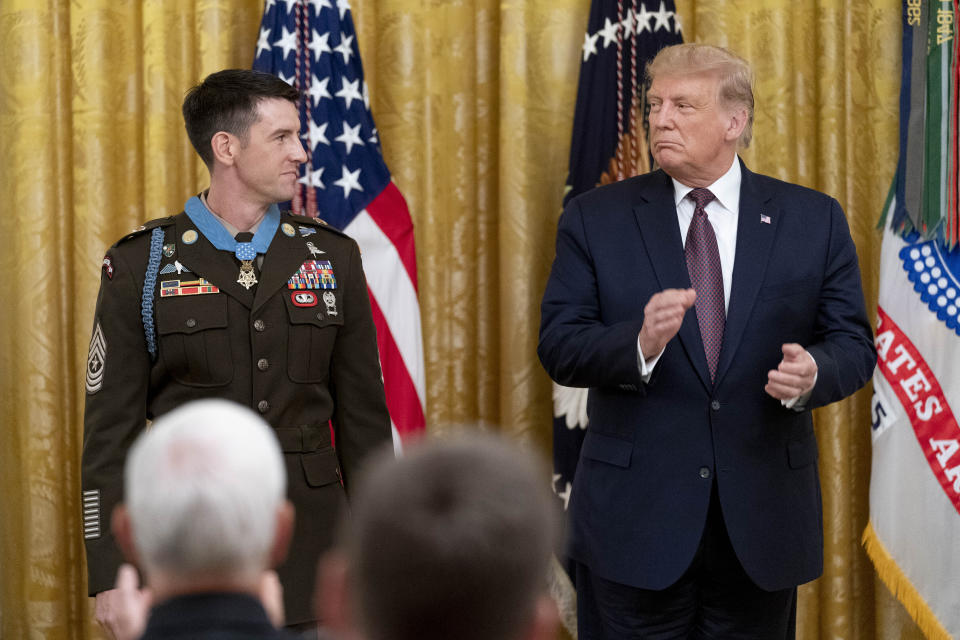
802,452
319,307
190,314
615,451
320,468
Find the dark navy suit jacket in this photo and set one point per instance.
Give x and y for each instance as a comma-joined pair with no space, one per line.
652,451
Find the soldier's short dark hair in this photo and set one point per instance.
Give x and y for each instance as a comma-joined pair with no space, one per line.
227,101
451,540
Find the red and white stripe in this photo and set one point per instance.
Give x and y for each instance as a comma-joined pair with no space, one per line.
384,232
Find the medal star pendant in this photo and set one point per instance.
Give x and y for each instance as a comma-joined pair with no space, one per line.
247,277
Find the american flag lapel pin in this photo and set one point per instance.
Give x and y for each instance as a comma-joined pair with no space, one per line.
764,219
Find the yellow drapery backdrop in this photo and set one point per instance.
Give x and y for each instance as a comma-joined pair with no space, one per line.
474,103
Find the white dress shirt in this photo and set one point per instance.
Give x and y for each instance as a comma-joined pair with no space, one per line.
722,212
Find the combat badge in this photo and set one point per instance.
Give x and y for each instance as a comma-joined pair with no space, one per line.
313,274
304,298
96,360
306,231
174,267
108,267
331,301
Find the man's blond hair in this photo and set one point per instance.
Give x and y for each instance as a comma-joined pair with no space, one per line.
736,77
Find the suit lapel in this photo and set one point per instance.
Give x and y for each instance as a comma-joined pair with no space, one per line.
284,257
216,266
657,219
756,229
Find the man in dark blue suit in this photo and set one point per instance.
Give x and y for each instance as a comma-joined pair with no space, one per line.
708,309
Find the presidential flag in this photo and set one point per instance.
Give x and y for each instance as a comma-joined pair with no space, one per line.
312,45
609,144
913,536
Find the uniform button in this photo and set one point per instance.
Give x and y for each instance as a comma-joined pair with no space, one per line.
259,324
191,323
715,405
263,364
704,472
263,406
319,316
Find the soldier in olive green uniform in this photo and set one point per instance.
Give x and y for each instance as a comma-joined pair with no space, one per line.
279,322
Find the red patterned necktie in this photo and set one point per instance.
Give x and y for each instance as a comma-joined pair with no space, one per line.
706,277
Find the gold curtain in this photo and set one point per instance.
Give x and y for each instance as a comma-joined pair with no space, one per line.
91,145
474,103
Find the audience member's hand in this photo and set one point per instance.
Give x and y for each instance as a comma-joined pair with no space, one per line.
122,611
662,318
271,597
794,376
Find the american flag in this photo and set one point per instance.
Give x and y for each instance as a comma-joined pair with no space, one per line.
312,45
609,144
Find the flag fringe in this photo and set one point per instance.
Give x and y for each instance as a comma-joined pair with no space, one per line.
564,595
901,587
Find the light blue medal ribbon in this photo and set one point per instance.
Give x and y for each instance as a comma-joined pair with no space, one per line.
220,238
245,250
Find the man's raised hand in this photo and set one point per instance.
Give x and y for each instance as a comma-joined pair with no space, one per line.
662,318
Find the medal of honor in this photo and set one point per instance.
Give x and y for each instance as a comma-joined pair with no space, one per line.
245,254
245,251
247,277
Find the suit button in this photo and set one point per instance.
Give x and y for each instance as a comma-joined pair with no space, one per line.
715,405
263,364
191,323
259,324
704,472
263,406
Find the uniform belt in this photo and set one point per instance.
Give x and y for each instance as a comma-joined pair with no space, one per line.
303,439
